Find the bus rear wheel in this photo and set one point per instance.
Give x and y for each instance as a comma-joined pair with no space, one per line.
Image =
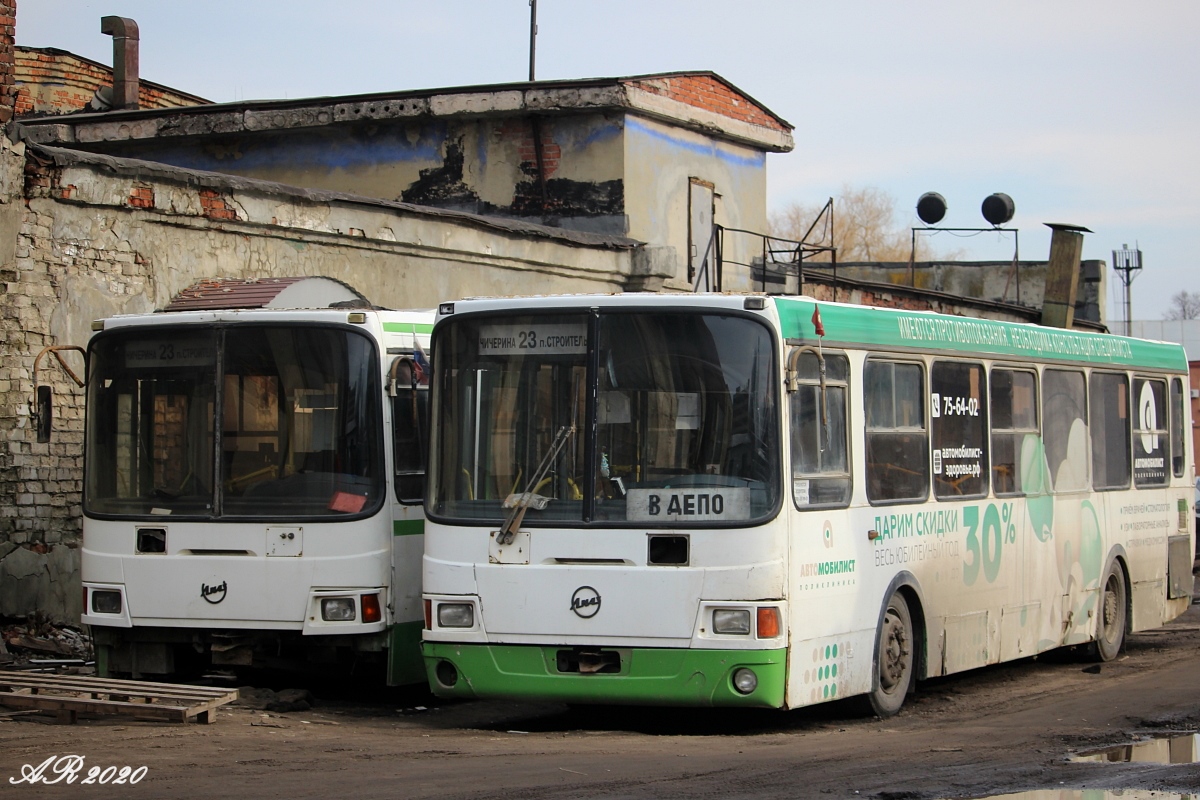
893,659
1110,627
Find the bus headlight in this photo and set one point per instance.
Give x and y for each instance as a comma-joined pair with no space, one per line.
337,609
456,615
106,602
744,680
731,620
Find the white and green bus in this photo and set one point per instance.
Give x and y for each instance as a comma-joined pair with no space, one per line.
757,501
252,490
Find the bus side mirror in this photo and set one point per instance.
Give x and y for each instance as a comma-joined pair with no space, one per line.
44,413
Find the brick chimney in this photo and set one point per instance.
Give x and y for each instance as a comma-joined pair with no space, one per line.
8,38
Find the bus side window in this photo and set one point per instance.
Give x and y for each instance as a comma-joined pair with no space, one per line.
1065,433
958,424
1110,430
897,442
410,435
1150,433
1014,421
820,462
1177,427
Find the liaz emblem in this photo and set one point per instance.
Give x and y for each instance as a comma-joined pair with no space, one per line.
214,594
585,602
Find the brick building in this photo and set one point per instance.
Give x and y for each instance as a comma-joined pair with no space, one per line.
657,158
50,82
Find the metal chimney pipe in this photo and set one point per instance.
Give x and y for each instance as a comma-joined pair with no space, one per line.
1062,275
125,59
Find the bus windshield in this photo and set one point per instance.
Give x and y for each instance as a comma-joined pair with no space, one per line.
246,421
658,418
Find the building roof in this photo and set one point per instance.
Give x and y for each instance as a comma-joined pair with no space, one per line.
700,100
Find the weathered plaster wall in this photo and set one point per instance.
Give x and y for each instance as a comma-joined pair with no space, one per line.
660,162
482,165
88,237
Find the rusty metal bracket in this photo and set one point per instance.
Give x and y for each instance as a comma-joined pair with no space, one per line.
56,350
41,407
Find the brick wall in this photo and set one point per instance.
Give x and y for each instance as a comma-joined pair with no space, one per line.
50,81
8,32
705,91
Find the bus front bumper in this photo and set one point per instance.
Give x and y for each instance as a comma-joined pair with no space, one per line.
643,676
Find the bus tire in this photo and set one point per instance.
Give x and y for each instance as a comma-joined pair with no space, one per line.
1113,615
893,659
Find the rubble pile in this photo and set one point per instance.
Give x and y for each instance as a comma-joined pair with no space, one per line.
37,640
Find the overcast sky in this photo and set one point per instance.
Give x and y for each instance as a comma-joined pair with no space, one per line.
1084,111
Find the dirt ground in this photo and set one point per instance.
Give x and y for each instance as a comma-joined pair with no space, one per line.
987,732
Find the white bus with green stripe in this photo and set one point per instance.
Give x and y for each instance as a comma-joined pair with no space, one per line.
772,502
252,491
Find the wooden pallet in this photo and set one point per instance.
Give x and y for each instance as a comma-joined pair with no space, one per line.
68,695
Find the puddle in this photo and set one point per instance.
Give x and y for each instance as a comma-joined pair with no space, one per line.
1092,794
1174,750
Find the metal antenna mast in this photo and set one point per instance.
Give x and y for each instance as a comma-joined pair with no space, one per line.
532,36
1128,263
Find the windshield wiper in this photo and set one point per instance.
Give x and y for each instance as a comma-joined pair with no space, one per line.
520,503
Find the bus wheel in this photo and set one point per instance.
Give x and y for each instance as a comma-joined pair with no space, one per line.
1110,628
893,659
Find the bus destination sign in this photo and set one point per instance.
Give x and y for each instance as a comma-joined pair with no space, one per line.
699,504
533,339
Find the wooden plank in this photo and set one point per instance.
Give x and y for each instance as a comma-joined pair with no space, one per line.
9,677
6,675
108,686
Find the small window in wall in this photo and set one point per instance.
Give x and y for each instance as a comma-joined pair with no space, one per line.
1177,427
1150,439
897,442
1014,426
1065,430
1110,430
958,428
820,463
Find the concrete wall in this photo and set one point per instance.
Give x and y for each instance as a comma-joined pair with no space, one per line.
91,236
661,161
994,281
611,172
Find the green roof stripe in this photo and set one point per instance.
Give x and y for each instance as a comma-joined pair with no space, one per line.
408,327
408,527
888,328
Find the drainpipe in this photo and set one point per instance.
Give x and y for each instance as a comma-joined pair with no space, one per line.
125,59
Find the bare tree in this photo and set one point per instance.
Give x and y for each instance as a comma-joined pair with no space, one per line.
865,227
1185,305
